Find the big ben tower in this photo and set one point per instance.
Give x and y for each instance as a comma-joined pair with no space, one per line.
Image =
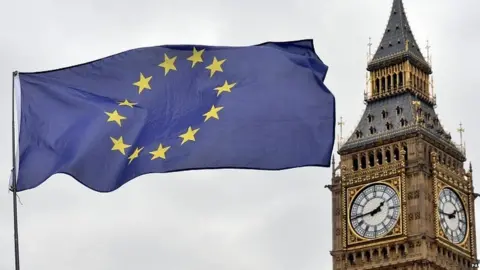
401,197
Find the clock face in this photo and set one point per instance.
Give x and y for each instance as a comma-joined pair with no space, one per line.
375,211
453,218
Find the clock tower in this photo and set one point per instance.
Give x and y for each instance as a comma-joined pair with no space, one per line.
401,197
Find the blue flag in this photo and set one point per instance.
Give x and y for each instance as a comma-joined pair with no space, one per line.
172,108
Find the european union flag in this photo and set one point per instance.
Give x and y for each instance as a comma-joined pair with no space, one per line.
172,108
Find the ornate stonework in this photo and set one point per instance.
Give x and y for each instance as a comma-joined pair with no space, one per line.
400,146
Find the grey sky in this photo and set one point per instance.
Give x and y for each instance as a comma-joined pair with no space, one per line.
215,220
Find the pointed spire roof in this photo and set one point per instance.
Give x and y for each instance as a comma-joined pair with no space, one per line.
398,41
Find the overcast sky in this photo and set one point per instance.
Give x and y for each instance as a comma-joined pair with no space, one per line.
215,220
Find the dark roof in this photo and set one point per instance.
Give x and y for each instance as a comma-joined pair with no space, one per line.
395,116
394,41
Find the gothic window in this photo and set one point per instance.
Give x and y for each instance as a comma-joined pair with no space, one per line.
435,121
389,126
403,122
384,114
350,259
402,250
384,253
383,84
379,157
371,159
400,79
388,155
367,256
363,162
372,130
358,133
399,110
396,154
370,118
355,163
394,80
389,82
377,85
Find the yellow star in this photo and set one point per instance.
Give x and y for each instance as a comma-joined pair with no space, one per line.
168,63
134,155
160,152
196,56
127,103
215,66
115,117
212,113
119,145
225,88
189,135
143,83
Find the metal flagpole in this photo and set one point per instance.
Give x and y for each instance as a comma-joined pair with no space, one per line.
14,179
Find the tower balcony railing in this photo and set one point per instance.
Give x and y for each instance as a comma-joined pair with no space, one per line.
369,96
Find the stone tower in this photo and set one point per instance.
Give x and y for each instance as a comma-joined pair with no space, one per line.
401,197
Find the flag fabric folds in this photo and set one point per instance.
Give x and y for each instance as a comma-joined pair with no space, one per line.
172,108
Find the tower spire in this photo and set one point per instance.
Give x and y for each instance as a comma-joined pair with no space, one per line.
398,41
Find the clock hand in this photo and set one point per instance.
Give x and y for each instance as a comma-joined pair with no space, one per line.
378,209
443,213
451,215
371,213
362,215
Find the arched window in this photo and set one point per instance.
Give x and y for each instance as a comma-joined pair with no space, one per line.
388,155
379,157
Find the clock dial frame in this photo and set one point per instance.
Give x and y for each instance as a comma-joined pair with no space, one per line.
375,211
452,216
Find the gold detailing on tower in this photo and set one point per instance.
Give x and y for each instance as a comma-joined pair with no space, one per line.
458,181
416,106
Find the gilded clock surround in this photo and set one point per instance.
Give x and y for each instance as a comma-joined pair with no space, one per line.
353,237
443,178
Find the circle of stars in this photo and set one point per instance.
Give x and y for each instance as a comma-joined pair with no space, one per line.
143,84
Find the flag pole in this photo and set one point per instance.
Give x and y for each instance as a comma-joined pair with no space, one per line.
14,178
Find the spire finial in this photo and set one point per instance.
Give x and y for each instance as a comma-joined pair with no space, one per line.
461,130
369,44
429,60
340,124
